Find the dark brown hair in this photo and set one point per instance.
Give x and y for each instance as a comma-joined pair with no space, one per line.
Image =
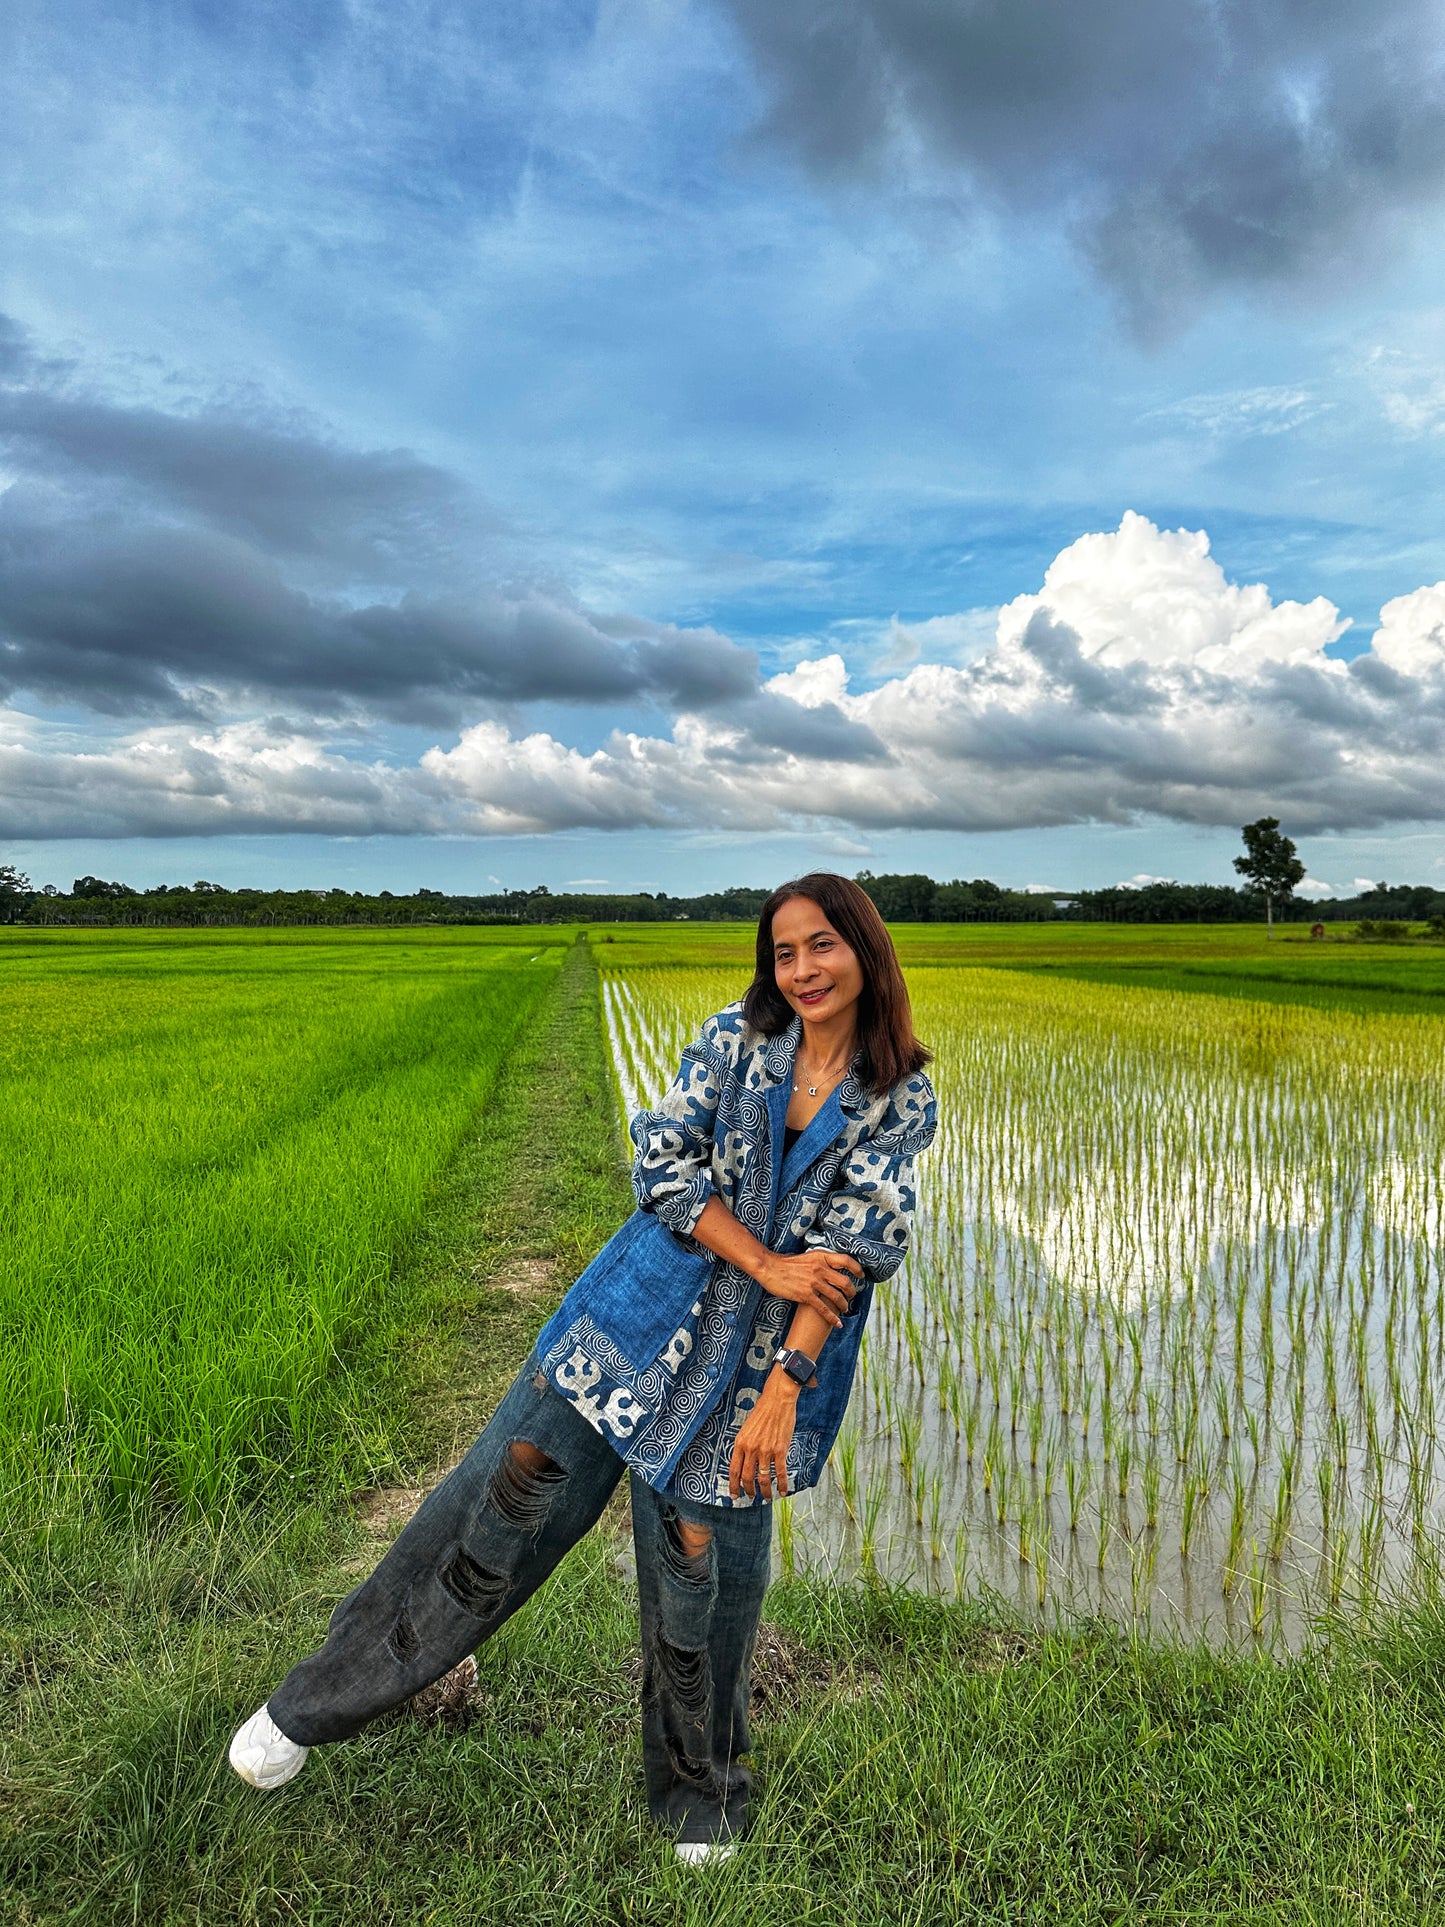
885,1018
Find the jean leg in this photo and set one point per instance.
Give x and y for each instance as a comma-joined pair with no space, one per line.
702,1572
477,1547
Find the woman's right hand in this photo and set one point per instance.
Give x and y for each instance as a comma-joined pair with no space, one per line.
823,1281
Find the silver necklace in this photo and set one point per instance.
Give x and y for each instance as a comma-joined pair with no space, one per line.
822,1077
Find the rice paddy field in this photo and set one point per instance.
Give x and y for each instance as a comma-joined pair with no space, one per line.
212,1146
1146,1435
1169,1344
1168,1347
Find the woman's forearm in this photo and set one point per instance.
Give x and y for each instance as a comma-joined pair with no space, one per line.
808,1331
721,1233
725,1237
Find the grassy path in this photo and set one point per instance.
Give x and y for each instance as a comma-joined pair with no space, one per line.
920,1763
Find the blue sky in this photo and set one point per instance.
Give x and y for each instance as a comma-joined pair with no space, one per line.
427,434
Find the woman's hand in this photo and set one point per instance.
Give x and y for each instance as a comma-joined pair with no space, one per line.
760,1453
823,1281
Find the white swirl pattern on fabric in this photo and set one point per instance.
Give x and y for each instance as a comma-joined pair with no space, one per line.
675,1416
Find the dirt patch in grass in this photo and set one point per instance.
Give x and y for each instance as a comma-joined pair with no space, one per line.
994,1649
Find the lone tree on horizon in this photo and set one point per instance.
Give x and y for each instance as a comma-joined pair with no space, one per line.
1270,864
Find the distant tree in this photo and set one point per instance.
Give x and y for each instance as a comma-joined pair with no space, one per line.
1270,865
900,899
15,892
98,887
953,902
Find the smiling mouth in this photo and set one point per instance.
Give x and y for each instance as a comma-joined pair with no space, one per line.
813,996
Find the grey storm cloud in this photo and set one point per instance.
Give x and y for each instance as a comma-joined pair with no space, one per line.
1054,646
1194,142
292,492
160,564
169,621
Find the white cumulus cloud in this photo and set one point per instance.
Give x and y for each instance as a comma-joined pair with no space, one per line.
1136,682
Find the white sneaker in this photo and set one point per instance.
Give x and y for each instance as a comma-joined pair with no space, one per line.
704,1853
262,1754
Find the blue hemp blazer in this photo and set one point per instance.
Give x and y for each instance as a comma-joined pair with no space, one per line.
663,1347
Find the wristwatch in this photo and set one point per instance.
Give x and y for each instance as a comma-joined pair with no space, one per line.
797,1364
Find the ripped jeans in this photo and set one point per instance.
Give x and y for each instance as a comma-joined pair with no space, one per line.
479,1545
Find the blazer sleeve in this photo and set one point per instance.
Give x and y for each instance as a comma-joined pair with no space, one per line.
671,1170
869,1211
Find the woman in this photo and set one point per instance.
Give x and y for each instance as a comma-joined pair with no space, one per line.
708,1351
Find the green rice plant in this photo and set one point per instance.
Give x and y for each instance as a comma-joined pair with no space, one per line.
1222,1412
948,1390
1339,1562
960,1560
1076,1483
847,1459
1258,1590
1123,1461
1036,1431
874,1504
213,1146
1235,1548
1188,1514
783,1519
1041,1566
1143,1556
1280,1516
1150,1485
907,1430
970,1429
935,1517
915,1340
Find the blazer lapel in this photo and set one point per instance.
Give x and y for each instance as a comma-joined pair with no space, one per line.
777,1071
818,1134
778,1098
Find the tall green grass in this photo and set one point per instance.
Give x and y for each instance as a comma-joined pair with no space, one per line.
209,1152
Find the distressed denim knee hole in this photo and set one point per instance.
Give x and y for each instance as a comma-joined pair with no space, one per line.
686,1549
472,1586
524,1485
684,1683
402,1642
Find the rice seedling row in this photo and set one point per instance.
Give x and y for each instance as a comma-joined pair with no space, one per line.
1169,1342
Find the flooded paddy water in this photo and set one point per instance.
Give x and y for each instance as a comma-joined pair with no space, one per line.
1170,1342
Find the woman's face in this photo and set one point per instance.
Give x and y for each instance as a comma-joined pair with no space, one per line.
815,969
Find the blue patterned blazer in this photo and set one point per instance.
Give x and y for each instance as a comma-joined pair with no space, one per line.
663,1347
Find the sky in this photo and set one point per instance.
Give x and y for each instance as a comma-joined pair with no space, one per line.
677,443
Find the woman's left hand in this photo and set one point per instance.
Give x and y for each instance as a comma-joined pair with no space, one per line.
760,1454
